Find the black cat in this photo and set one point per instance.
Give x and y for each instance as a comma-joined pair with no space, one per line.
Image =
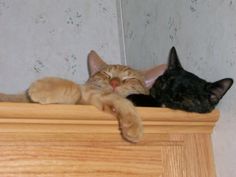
180,89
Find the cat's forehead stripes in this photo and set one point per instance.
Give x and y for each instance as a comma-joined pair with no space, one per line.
121,71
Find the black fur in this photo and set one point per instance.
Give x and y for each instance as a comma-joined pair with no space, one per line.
144,100
180,89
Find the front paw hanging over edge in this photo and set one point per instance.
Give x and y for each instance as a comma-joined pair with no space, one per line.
130,122
131,129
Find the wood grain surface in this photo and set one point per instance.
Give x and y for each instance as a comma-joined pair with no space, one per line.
74,140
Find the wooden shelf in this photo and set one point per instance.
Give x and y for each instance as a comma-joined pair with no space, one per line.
76,140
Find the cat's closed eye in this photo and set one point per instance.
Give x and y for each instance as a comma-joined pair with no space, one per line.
107,75
128,80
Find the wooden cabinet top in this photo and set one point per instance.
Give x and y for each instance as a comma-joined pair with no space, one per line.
16,117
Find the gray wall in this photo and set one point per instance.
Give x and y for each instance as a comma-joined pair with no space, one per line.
53,37
204,33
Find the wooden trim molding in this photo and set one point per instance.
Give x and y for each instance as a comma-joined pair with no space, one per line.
79,140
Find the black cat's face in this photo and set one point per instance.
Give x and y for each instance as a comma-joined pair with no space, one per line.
180,89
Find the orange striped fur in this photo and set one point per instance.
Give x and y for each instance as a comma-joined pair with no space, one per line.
106,89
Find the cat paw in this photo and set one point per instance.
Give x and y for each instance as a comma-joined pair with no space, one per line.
41,91
131,128
53,90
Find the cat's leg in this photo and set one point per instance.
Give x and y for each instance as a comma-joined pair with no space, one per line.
129,120
51,90
16,98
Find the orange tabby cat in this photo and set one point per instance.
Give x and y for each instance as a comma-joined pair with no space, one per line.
106,89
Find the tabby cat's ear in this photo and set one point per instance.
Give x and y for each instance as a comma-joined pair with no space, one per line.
152,74
95,63
219,88
174,62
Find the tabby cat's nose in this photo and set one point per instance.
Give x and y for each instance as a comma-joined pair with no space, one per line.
115,82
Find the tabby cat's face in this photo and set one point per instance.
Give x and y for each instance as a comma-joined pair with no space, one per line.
119,79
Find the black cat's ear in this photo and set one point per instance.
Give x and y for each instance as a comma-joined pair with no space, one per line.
95,63
174,62
219,88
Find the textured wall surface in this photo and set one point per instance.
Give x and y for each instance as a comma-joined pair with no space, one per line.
204,33
53,37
